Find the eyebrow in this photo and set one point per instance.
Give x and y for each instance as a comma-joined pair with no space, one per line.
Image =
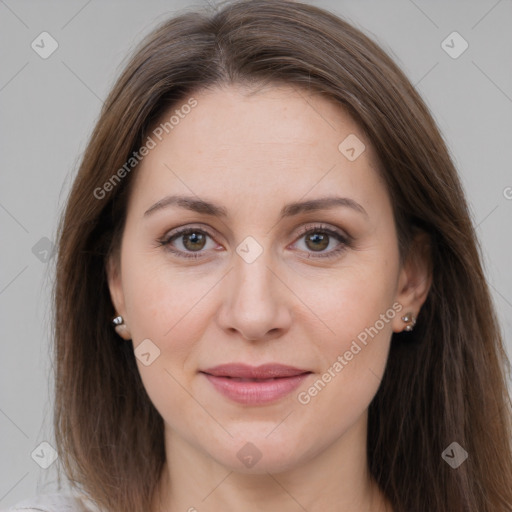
206,207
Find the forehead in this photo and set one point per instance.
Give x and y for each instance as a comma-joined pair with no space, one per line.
276,138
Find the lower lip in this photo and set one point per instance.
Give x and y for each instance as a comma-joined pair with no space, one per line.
254,392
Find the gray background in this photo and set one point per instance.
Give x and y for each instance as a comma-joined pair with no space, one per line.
48,108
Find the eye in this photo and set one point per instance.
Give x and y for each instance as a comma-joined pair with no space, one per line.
316,239
192,242
188,242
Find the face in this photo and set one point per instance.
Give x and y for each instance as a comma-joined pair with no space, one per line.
261,320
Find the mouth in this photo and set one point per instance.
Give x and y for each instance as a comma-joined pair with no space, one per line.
255,385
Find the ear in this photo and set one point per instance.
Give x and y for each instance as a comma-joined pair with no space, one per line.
415,279
113,269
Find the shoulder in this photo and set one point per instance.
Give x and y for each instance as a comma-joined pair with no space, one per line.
55,502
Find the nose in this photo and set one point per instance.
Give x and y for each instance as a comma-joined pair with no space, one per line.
256,303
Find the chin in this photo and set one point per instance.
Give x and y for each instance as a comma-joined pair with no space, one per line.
268,463
257,453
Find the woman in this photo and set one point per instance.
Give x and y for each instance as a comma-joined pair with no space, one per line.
269,293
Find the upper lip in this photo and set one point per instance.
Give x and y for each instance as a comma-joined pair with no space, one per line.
264,371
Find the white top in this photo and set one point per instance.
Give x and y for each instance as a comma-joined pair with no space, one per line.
53,503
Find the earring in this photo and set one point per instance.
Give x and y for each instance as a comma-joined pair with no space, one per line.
410,320
120,327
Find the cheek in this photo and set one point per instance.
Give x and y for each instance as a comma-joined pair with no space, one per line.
353,300
164,303
172,309
357,308
169,308
354,361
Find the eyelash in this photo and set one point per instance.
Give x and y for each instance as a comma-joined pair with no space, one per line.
345,241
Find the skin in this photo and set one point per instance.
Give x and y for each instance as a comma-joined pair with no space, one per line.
253,153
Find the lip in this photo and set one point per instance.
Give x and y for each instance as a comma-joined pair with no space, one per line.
255,385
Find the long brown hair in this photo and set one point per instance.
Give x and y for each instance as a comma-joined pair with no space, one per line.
445,382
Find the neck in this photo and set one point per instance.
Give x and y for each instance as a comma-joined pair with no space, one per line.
335,480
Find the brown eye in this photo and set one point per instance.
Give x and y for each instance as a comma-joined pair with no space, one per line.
322,242
194,241
317,241
188,242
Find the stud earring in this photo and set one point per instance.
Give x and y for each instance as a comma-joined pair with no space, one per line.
410,320
118,320
120,327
